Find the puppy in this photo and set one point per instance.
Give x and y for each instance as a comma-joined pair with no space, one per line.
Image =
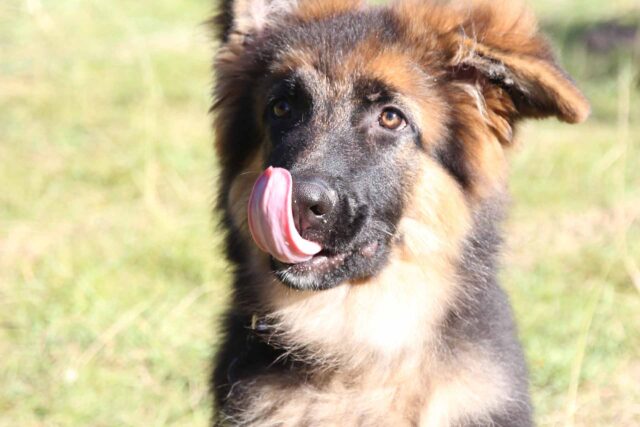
362,185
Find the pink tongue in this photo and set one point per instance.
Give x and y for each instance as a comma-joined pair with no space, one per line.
271,219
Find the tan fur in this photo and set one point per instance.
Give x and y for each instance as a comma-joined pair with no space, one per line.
465,392
294,59
396,395
399,70
483,139
311,10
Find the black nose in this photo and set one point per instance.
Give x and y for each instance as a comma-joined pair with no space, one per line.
313,203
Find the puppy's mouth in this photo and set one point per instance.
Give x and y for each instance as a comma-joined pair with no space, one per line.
323,258
324,270
322,262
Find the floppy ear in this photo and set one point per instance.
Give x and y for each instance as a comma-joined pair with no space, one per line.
498,44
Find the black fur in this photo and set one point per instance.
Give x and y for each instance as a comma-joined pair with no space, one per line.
483,316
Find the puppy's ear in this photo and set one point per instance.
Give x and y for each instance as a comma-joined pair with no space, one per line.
246,18
497,43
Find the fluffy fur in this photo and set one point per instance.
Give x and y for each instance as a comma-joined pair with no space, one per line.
421,333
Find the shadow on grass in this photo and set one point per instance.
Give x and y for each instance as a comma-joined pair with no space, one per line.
597,53
597,48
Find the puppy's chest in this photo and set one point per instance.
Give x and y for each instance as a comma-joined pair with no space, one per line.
334,404
379,397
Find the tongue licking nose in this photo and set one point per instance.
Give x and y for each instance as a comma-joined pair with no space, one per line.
271,219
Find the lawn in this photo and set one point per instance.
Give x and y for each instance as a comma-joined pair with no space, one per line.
110,272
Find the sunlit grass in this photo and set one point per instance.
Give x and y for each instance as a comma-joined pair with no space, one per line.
110,273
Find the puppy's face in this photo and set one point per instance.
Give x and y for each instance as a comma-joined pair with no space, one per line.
359,107
348,126
351,148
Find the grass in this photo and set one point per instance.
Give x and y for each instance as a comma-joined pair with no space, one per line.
110,273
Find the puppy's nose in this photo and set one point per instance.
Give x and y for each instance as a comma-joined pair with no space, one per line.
313,204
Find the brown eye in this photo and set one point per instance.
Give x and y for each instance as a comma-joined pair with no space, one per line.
281,109
392,119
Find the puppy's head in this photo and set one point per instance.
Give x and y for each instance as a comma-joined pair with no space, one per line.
383,116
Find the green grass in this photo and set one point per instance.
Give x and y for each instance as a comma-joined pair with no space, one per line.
110,273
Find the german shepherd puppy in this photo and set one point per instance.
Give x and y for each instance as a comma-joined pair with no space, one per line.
364,256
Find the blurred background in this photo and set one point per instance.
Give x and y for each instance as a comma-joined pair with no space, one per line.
110,271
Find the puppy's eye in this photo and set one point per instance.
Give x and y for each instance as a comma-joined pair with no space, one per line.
281,109
392,119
